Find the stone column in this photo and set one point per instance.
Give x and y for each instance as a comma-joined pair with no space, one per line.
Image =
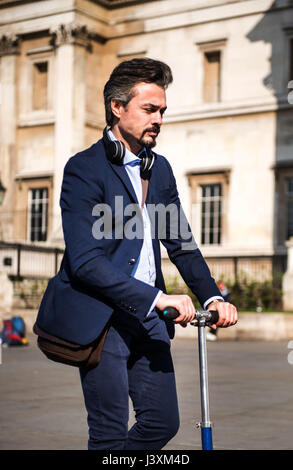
9,50
72,43
288,278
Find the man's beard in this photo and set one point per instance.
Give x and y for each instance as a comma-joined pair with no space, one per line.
149,143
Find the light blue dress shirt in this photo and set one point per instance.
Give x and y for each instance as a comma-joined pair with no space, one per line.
145,268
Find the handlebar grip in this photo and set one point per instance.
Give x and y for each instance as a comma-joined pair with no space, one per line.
170,313
214,317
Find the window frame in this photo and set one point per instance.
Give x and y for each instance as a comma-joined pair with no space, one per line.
210,46
43,215
289,198
196,179
212,218
27,113
23,183
35,65
288,53
282,174
217,91
290,65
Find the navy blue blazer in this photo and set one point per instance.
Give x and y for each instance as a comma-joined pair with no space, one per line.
94,278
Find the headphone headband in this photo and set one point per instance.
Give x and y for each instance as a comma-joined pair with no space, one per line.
115,151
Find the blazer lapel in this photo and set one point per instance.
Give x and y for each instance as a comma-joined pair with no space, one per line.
122,173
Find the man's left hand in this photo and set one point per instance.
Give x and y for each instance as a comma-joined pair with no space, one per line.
228,314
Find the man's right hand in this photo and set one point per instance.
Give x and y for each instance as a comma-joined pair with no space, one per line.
182,303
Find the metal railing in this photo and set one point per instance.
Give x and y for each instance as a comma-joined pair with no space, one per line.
34,261
252,267
29,261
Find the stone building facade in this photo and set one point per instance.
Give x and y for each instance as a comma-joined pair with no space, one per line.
228,130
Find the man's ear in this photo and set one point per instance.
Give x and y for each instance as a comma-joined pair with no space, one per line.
116,108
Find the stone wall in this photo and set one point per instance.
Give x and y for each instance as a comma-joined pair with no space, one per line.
28,293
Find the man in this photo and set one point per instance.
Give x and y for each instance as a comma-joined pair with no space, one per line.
113,276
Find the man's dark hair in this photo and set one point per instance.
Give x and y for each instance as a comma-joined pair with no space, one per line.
128,74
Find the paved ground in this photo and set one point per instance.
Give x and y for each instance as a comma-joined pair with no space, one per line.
251,398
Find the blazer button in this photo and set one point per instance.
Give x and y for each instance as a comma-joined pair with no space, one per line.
131,261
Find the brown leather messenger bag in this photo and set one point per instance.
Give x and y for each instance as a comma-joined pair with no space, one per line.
72,354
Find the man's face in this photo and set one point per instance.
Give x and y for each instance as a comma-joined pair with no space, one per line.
140,120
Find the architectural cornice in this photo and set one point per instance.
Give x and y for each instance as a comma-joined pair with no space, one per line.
9,44
282,165
227,109
109,4
209,171
71,34
29,175
107,19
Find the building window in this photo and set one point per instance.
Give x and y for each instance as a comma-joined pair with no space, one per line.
40,85
209,194
211,212
213,55
212,76
289,208
284,202
290,59
38,214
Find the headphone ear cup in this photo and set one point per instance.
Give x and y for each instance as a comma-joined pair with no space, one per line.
151,161
119,151
115,150
147,161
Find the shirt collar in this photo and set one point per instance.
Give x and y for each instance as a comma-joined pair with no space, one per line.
129,156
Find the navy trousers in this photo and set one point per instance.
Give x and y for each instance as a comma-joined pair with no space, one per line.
136,362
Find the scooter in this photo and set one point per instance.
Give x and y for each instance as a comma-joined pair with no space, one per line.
203,318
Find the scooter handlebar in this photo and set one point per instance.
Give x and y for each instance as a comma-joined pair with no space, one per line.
211,316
